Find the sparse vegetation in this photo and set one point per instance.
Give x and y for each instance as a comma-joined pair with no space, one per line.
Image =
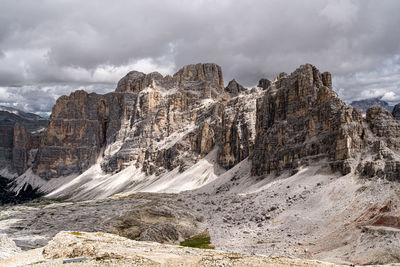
75,233
198,241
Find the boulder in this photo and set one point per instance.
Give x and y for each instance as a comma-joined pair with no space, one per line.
159,221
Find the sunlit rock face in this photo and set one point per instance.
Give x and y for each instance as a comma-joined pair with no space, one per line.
157,123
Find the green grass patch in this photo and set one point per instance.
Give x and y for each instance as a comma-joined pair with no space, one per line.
198,241
76,233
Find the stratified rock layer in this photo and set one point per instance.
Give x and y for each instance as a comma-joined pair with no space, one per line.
157,123
300,118
78,129
20,133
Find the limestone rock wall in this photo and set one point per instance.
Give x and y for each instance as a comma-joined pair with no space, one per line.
79,127
238,129
159,123
20,133
171,123
300,118
380,156
153,122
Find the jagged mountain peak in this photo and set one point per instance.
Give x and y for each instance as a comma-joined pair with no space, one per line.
315,77
203,79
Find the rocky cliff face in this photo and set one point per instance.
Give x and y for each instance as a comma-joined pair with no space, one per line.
79,128
159,124
380,155
20,133
238,129
156,123
300,118
396,112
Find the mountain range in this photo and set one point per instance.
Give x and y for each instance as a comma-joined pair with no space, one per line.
287,156
364,104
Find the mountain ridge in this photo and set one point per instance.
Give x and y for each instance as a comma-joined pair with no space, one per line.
154,124
364,104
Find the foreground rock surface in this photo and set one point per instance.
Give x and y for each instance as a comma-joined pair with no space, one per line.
103,249
7,247
146,217
313,214
163,221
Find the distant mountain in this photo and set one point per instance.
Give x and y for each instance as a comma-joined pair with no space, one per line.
364,104
21,114
20,133
32,122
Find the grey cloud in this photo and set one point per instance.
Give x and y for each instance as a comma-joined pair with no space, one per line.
80,42
382,81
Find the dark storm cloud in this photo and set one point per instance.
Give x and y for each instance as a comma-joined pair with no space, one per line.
67,44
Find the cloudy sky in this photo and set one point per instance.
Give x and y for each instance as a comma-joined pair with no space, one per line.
50,48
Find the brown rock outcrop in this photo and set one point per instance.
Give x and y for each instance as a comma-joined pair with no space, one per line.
159,220
380,156
383,126
78,129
